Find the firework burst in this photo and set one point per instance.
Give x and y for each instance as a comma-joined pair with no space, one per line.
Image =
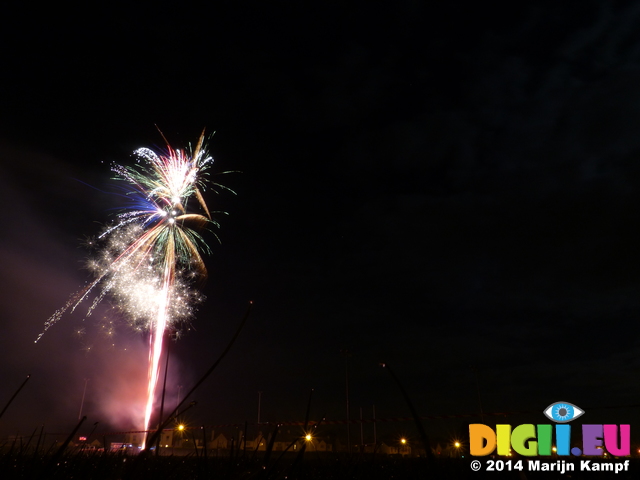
150,256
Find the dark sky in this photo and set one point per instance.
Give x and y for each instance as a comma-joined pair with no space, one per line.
440,187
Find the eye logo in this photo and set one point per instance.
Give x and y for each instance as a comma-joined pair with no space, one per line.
562,412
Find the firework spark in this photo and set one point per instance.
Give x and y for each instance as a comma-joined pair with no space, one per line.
151,254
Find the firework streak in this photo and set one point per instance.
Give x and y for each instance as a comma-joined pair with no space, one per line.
150,256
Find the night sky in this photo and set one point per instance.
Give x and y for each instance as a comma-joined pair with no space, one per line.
451,189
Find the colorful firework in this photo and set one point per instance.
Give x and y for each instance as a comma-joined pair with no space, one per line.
151,254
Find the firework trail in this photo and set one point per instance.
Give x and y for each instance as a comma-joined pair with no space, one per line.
151,255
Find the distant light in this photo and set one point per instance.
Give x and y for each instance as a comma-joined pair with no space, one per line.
457,444
403,440
181,427
554,449
308,437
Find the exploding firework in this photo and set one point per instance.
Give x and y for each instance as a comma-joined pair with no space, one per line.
150,256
